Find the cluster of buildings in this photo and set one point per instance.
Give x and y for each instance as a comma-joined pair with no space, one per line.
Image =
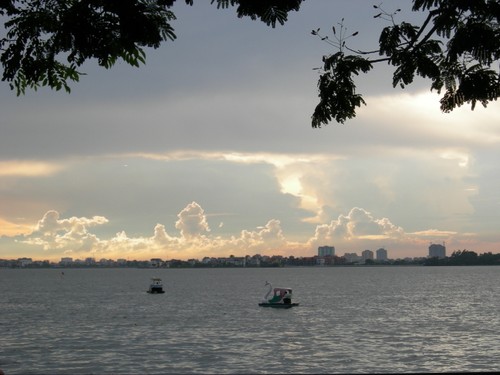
326,257
366,256
380,255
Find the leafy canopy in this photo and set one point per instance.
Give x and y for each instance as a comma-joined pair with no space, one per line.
47,40
456,47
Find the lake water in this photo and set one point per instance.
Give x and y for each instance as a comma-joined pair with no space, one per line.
350,320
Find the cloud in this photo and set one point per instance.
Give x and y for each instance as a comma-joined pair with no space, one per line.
53,233
316,187
412,164
414,121
300,175
16,168
355,231
192,221
161,238
358,224
269,236
50,224
434,233
73,236
10,229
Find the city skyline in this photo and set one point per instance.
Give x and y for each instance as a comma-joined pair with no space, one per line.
207,150
437,257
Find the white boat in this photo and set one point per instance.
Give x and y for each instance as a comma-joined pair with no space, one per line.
281,298
156,286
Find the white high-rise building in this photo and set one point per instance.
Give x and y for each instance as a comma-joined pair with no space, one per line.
326,250
436,250
381,254
367,254
352,257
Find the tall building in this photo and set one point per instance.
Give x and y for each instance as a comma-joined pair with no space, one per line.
437,250
367,254
352,257
90,261
66,261
381,254
23,262
326,250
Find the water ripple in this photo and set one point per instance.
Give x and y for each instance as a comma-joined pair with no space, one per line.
351,320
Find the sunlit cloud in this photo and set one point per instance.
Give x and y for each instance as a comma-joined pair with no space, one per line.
192,221
434,233
73,236
54,233
462,158
11,229
413,123
321,183
276,159
293,172
17,168
357,224
354,231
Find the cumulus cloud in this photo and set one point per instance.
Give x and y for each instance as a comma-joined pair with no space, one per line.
51,232
192,221
355,231
270,235
380,177
73,236
358,224
161,237
50,224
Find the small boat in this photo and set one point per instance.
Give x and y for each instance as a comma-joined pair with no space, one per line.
282,298
156,286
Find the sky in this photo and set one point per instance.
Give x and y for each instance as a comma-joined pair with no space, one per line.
208,151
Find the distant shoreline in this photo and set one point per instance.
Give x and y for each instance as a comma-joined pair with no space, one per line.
250,267
457,258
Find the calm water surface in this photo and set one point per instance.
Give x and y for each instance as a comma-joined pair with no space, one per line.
350,320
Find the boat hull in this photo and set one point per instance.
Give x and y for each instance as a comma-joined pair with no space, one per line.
278,305
156,291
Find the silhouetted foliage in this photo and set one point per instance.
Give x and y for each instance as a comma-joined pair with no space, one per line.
456,47
434,261
48,40
489,259
465,258
462,258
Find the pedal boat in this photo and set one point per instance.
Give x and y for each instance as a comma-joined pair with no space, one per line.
281,299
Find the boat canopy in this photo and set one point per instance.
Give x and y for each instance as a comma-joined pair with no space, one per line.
280,293
156,281
282,290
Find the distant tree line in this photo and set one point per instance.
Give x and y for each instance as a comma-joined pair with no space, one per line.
465,258
457,258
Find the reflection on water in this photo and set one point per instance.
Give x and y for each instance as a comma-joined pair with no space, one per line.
350,320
